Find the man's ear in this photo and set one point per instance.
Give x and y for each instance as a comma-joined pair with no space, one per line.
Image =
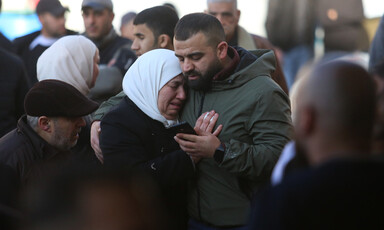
164,41
222,49
41,19
44,123
238,13
308,120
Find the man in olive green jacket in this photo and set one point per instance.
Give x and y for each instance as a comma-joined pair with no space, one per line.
254,112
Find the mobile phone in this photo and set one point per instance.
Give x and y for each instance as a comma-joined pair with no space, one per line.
182,127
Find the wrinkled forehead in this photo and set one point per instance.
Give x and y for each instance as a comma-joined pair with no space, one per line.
222,6
196,43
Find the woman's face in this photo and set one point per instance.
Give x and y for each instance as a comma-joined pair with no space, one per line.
96,60
171,98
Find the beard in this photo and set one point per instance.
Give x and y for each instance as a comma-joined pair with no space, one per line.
204,81
62,142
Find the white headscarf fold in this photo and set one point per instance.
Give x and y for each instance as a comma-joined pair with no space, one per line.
69,59
147,75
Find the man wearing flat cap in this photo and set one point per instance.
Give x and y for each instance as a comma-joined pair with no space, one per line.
41,143
29,47
114,49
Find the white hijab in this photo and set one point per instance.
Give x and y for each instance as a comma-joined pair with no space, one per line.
69,59
147,75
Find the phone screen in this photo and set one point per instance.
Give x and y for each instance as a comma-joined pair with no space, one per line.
183,127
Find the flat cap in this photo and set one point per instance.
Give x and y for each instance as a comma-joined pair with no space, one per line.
97,4
51,6
54,98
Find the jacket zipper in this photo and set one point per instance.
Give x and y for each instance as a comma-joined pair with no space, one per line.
197,188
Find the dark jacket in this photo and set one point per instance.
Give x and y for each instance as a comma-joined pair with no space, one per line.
6,44
29,156
30,57
132,140
341,194
14,84
377,47
115,50
109,49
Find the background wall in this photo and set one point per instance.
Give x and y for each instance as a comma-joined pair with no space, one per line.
253,12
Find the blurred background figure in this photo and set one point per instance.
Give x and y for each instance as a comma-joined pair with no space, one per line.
29,47
115,51
310,29
290,25
97,200
14,84
228,14
5,43
342,23
171,6
126,25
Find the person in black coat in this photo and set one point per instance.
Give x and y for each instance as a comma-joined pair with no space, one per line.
14,84
134,134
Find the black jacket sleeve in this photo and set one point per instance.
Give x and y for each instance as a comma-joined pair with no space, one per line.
132,140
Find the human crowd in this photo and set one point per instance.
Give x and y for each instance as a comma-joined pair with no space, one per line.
193,122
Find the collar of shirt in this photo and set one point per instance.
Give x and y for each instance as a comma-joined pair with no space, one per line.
43,41
227,71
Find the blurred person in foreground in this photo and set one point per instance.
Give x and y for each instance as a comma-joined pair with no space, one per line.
376,51
342,187
97,200
153,28
378,132
135,134
29,47
228,14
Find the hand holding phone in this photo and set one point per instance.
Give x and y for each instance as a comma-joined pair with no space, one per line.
182,127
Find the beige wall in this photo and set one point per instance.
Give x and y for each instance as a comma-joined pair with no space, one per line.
252,16
253,12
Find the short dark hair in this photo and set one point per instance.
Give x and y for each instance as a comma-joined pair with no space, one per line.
192,24
159,19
